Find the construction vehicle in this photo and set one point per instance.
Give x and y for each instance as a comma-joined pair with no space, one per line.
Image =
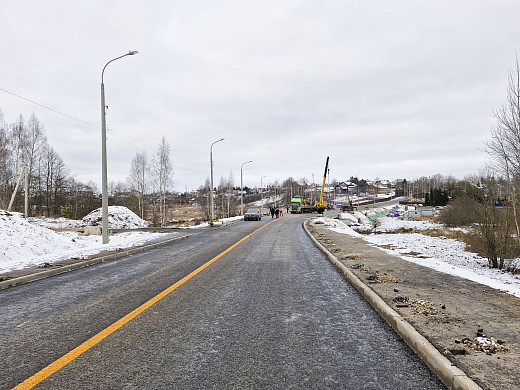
299,205
321,206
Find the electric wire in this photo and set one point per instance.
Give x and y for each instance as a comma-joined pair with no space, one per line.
70,117
84,122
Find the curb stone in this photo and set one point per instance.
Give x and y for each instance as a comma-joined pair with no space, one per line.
82,264
451,376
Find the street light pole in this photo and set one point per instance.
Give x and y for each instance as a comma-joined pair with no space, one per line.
242,189
261,190
104,185
211,215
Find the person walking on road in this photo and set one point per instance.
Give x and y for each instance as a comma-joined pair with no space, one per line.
272,212
277,212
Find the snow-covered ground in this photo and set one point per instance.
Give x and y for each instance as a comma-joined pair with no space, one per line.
439,253
29,242
25,243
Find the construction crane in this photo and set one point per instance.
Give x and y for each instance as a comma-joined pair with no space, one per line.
321,206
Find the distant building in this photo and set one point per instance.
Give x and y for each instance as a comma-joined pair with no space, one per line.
345,188
420,212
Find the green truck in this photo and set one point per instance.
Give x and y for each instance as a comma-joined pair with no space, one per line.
295,207
299,205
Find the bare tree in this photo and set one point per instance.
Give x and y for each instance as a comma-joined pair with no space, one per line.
163,175
5,165
35,146
139,178
504,146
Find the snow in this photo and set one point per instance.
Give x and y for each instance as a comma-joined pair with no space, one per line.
30,242
119,217
439,253
25,243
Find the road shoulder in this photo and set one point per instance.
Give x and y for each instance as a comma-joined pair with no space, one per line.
453,310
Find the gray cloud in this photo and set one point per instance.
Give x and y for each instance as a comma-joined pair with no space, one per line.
387,89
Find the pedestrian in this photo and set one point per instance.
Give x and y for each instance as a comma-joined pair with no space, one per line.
272,212
281,212
277,212
287,209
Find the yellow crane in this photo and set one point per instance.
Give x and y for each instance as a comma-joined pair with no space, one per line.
321,206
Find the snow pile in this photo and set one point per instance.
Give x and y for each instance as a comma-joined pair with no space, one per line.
24,244
439,253
119,217
19,239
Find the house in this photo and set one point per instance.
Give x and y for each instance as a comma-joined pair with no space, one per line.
378,188
345,188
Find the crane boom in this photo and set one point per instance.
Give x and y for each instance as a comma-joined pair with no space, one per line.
323,185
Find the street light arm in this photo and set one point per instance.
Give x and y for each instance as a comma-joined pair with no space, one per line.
246,163
211,147
130,53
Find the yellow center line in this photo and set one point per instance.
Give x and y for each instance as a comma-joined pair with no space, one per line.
29,383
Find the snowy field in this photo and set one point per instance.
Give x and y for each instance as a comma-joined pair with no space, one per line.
439,253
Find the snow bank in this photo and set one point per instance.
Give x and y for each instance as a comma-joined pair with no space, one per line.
20,240
24,243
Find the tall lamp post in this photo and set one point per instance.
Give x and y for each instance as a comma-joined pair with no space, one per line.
242,189
104,185
261,190
211,162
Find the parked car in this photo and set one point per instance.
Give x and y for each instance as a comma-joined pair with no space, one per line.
252,215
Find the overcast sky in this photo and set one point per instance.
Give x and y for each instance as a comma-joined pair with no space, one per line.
387,89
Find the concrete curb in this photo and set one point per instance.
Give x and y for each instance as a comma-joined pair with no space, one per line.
450,375
87,263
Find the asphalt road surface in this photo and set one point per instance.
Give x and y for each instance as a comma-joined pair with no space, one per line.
271,312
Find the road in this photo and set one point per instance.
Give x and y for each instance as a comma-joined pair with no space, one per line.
271,312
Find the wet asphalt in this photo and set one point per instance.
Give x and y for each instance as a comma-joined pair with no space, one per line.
272,313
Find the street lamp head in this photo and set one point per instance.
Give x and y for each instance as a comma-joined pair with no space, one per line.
132,52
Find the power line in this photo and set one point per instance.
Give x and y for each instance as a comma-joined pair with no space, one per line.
69,116
48,108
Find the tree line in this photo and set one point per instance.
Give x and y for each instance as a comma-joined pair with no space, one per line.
54,192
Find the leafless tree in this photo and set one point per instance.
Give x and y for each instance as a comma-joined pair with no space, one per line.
35,145
139,178
5,166
504,146
163,170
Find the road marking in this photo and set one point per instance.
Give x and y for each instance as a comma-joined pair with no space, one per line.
29,383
